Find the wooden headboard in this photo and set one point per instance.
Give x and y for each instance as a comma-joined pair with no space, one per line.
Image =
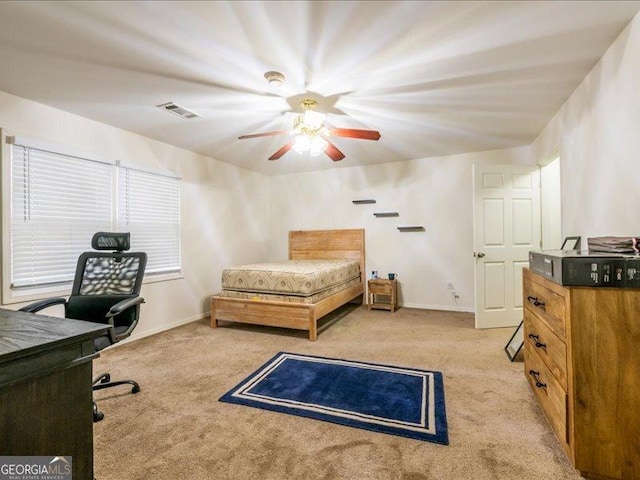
329,244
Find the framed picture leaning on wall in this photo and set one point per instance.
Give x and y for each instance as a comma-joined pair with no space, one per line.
515,343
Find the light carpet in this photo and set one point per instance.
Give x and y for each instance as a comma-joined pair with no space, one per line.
176,429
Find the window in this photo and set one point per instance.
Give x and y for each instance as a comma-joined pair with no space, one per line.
58,201
149,208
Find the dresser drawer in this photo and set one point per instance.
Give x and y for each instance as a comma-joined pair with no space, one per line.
548,391
380,288
549,347
548,305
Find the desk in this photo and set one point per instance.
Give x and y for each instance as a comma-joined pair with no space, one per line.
46,404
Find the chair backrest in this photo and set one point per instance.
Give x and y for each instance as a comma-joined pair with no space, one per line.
104,278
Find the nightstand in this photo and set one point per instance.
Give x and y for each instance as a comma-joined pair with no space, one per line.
382,286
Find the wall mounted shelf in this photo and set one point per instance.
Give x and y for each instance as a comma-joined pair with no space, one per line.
360,202
386,214
412,228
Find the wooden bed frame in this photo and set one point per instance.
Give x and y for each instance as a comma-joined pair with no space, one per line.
303,244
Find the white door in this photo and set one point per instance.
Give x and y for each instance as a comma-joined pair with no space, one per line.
506,222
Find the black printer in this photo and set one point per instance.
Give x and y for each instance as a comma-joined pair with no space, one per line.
586,269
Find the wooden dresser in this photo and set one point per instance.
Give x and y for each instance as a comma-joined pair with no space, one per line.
582,361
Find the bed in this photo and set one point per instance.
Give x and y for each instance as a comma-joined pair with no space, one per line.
302,301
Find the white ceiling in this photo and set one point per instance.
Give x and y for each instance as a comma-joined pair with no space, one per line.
435,78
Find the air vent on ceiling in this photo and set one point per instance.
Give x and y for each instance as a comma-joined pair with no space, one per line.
178,110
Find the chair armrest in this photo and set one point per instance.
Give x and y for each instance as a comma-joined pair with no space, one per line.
42,304
127,332
120,307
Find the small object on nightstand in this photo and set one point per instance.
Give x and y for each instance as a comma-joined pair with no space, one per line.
382,287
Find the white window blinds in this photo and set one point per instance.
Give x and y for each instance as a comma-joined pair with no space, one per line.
149,208
58,202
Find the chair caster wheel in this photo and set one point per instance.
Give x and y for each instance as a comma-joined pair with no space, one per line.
135,389
97,414
106,378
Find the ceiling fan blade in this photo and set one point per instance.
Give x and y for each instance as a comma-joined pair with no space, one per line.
284,149
333,152
355,133
266,134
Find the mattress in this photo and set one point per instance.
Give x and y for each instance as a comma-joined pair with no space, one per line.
274,297
292,277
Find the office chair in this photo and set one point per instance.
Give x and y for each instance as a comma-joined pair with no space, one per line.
105,290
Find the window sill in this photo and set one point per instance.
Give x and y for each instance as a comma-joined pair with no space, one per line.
34,294
162,277
29,295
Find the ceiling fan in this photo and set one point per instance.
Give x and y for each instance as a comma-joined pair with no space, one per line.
311,134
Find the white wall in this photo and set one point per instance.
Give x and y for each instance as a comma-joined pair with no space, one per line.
550,205
597,132
233,216
436,193
224,208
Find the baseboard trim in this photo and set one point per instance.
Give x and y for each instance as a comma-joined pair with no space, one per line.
446,308
154,331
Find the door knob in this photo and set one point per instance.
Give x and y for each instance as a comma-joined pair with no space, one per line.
478,255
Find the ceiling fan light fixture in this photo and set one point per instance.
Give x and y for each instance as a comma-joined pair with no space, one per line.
317,146
313,119
310,130
275,79
310,123
310,134
302,143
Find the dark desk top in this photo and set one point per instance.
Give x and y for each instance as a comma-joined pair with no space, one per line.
24,334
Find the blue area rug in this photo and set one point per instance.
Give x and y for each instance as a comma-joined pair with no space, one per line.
399,401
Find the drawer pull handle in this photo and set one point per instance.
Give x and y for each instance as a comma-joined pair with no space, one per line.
536,377
536,339
535,301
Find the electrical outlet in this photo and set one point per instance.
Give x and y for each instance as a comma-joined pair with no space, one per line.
451,288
